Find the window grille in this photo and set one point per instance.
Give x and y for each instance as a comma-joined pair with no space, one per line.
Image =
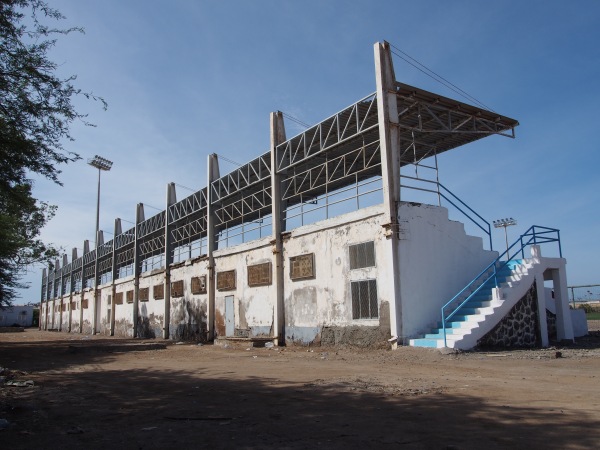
362,255
259,274
159,291
226,280
119,298
364,299
143,294
130,296
199,285
302,266
177,289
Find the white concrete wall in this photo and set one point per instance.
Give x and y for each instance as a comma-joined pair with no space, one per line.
88,313
124,311
151,314
253,306
325,300
437,260
188,312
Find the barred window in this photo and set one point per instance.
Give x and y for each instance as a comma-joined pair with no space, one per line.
159,291
143,294
226,280
130,296
199,285
177,289
364,299
362,255
302,266
119,298
259,274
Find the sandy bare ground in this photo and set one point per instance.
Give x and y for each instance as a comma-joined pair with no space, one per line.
98,392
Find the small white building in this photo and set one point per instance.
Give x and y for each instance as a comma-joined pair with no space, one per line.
317,241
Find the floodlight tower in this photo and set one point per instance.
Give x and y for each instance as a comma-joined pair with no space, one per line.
505,223
101,164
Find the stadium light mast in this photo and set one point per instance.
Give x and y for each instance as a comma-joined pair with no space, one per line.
505,223
101,164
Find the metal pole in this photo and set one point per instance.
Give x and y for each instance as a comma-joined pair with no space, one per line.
506,237
98,211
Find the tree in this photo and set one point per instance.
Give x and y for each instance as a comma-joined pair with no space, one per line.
36,112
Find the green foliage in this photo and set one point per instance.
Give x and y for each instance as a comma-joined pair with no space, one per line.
36,112
588,308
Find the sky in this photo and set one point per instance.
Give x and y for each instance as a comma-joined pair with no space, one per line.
184,79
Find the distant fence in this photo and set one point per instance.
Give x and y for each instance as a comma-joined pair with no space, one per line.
587,297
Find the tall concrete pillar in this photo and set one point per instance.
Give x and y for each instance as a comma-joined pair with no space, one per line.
541,301
171,199
139,218
117,231
277,137
564,325
389,141
212,175
71,288
96,306
86,250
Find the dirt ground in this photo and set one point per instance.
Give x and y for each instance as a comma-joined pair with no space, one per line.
98,392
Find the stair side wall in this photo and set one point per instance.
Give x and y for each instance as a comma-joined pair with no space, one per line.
437,260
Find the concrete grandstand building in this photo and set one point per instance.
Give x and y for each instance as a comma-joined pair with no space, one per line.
317,241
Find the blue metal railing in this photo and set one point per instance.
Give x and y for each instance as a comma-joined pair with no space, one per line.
534,235
447,195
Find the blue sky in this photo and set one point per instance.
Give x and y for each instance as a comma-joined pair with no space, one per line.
187,78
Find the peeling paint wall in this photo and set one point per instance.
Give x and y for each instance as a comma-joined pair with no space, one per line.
319,309
253,305
124,311
151,313
188,312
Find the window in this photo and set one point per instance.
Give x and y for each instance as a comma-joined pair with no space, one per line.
119,298
302,266
143,294
226,280
364,299
199,285
259,274
159,291
362,255
130,296
177,289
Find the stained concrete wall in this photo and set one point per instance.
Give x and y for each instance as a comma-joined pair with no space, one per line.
253,306
437,259
151,313
188,312
124,311
320,308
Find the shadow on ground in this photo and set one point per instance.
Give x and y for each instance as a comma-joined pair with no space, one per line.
147,408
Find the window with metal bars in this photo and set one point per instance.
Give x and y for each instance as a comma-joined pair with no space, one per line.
362,255
364,299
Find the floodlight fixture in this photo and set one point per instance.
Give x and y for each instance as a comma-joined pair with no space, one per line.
101,164
505,223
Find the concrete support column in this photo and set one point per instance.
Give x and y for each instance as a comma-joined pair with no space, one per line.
86,249
212,175
71,288
171,199
95,324
118,230
387,110
541,302
277,137
564,325
139,218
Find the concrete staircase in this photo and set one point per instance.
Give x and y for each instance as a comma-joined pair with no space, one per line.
484,309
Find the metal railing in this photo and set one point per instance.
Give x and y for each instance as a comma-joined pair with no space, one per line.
445,193
533,236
